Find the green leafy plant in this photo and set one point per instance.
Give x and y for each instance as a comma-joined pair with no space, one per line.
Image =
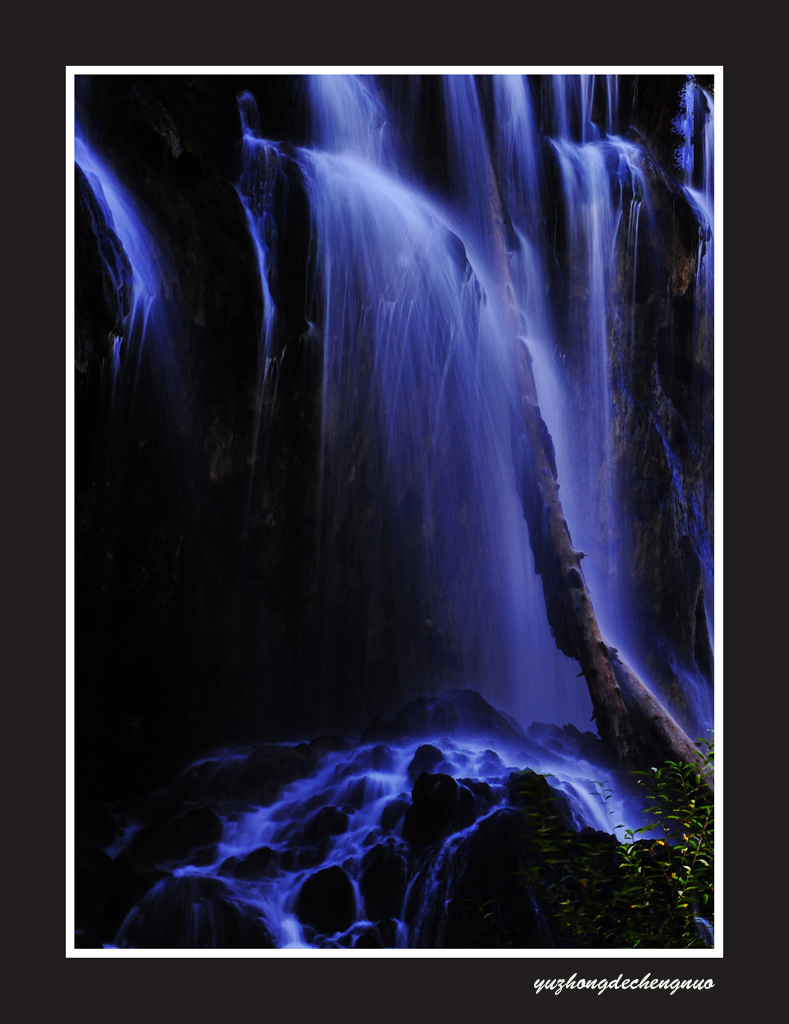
669,878
653,892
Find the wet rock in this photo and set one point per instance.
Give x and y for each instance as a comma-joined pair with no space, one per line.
590,746
358,794
329,743
393,813
329,821
426,716
203,856
477,718
477,898
387,930
327,902
272,767
257,779
383,881
426,759
228,866
378,758
311,856
193,913
176,839
123,899
439,807
452,713
95,877
533,793
261,863
490,763
483,794
103,277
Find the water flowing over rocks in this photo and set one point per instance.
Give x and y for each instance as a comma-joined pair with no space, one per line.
102,274
355,851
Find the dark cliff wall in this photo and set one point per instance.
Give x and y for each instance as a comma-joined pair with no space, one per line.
198,600
171,656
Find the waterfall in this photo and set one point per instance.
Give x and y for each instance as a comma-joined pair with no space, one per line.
416,385
397,591
699,135
151,329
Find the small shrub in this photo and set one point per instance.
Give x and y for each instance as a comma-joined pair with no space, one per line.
645,892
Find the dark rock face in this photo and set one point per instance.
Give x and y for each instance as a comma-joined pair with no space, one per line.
376,759
481,879
383,881
329,821
443,868
531,792
452,713
568,740
161,510
259,777
476,717
664,442
327,902
440,806
178,837
393,813
426,759
258,864
660,348
131,887
103,277
193,913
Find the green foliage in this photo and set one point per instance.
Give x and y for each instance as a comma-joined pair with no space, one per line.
653,892
488,931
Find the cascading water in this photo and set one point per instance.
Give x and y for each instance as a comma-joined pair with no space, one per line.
404,310
143,379
341,856
152,325
416,387
544,235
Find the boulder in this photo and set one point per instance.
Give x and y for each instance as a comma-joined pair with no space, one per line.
327,902
477,898
452,713
378,758
261,863
439,807
426,759
393,813
479,719
383,881
193,912
329,821
177,838
103,276
126,895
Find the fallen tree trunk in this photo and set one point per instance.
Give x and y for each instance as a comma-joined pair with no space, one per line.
635,728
